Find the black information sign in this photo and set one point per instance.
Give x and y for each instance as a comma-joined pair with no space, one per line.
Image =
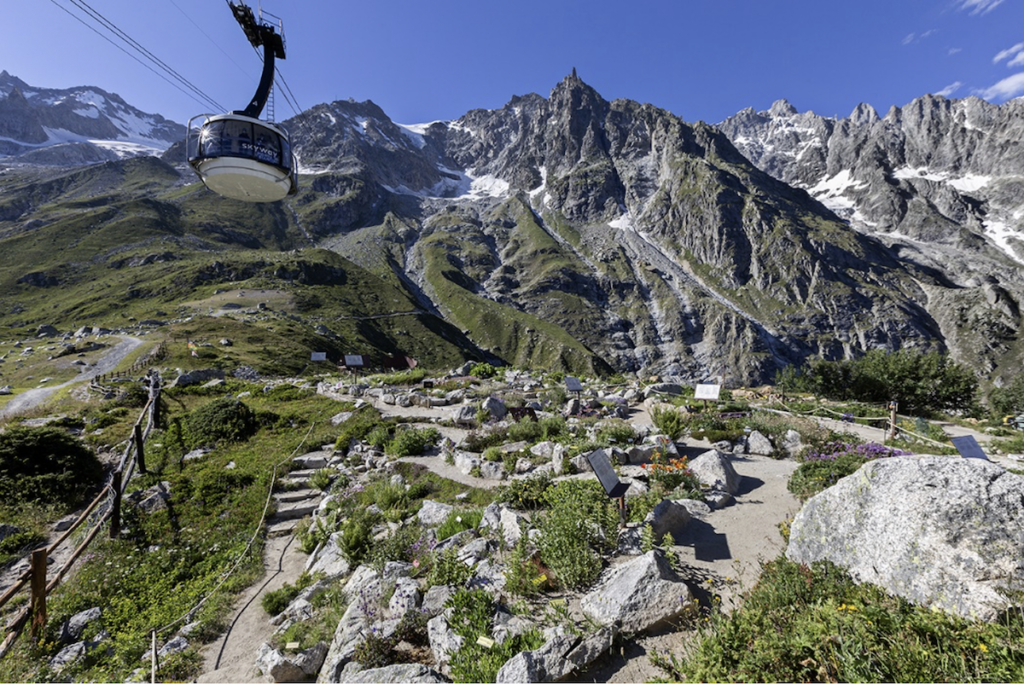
602,466
573,384
969,447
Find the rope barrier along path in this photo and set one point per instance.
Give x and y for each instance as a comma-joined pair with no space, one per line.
259,528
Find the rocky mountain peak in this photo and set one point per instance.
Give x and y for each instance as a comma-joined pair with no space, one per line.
863,115
781,108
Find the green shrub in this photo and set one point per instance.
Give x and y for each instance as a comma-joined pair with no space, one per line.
357,427
400,545
275,601
379,436
670,421
526,493
471,618
823,468
477,441
411,441
448,569
484,370
285,393
225,419
524,575
616,431
321,478
581,521
45,464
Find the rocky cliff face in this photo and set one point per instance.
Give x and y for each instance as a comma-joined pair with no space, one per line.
653,243
938,182
75,126
572,232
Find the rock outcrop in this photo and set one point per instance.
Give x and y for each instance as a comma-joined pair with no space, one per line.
942,532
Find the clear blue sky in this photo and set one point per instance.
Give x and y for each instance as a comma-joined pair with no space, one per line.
424,61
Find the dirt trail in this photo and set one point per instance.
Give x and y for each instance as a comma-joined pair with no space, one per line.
232,658
35,397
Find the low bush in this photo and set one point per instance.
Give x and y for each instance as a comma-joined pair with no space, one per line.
471,618
801,624
357,427
448,569
225,419
458,521
44,464
527,493
823,468
669,421
581,522
411,441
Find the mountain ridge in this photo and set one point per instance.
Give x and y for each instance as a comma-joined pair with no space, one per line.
575,232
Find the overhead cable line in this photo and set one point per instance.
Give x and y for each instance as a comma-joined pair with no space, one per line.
122,49
215,43
110,26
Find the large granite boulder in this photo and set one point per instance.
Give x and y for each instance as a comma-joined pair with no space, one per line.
942,532
288,667
717,476
638,595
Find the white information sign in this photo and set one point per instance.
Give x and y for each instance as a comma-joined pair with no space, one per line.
707,392
318,356
354,360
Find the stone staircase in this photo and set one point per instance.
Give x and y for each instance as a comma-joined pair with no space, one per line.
294,496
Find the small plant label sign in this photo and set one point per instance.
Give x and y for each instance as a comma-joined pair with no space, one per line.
484,641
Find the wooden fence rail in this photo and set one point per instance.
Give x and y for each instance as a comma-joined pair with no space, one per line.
36,575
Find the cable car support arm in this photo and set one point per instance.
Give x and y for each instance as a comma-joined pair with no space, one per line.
273,47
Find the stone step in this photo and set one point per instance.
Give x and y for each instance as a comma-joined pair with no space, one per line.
281,528
295,510
292,495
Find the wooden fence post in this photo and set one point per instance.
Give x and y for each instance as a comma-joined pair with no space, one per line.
115,513
38,566
139,450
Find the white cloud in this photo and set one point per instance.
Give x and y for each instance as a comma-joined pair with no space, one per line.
950,89
1013,52
1008,88
980,6
953,51
1016,61
909,39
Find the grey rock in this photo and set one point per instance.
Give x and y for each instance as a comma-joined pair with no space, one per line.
433,513
283,667
175,645
311,461
329,559
339,418
72,630
443,642
435,598
495,407
792,444
558,658
197,377
945,533
465,415
759,444
715,471
638,594
668,517
414,673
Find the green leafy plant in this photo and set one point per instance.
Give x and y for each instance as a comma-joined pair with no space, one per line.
448,569
225,419
581,522
670,421
411,441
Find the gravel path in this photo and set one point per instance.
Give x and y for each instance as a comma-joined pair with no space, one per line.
35,397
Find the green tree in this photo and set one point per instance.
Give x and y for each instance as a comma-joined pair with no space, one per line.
920,382
1009,399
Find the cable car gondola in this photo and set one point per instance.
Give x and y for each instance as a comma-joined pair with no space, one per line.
236,154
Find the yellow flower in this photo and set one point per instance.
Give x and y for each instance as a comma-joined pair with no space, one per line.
983,648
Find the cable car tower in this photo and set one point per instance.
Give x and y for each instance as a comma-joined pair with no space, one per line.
237,155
